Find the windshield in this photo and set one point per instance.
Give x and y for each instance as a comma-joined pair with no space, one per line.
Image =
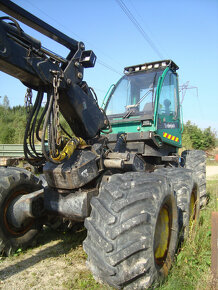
134,94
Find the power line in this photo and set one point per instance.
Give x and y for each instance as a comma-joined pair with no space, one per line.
98,60
107,66
139,28
151,32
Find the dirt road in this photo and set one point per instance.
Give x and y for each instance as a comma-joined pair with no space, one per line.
56,262
212,171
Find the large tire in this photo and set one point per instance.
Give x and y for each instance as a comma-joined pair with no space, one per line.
187,195
132,231
196,160
14,182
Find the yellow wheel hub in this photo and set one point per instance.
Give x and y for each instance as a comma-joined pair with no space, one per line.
162,235
192,207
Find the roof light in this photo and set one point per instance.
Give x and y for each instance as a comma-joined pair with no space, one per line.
152,65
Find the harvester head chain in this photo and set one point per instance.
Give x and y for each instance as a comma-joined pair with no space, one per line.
28,100
56,84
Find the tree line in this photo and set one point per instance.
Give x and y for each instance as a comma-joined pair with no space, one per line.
195,138
13,124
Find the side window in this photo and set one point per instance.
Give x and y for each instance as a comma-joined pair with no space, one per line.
168,102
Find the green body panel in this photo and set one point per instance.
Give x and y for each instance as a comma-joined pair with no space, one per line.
170,136
130,127
171,133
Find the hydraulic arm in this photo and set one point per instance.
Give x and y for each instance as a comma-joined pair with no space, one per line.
46,72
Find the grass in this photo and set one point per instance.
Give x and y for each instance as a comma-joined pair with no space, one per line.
191,269
84,280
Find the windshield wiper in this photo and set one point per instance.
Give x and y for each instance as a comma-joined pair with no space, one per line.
131,107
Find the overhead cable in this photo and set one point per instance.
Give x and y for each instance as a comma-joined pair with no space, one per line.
107,66
139,28
150,32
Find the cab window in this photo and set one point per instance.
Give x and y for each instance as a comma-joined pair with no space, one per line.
134,95
168,102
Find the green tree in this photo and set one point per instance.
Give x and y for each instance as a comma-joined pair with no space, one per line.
6,103
7,135
209,140
196,138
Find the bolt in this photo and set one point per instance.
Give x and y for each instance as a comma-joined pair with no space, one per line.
68,82
82,45
80,75
77,64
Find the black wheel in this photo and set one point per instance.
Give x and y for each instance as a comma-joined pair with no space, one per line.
196,160
13,183
187,195
132,230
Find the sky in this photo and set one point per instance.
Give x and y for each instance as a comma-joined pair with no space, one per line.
185,31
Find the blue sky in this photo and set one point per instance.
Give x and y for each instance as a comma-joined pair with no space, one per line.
184,31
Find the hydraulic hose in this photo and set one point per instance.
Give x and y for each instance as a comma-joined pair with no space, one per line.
32,131
40,122
29,134
45,125
53,154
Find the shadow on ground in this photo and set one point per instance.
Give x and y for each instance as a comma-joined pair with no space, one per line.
67,241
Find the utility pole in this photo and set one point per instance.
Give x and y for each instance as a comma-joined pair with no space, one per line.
184,87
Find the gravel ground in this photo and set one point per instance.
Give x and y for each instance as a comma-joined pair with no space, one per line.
212,171
53,264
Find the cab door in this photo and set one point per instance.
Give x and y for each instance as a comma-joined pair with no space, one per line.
168,110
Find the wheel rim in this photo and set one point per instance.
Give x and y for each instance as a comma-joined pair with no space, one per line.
9,227
192,206
162,235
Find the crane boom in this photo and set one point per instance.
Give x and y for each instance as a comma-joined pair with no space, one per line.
34,22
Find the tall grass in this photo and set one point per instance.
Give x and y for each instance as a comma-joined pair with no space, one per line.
191,269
